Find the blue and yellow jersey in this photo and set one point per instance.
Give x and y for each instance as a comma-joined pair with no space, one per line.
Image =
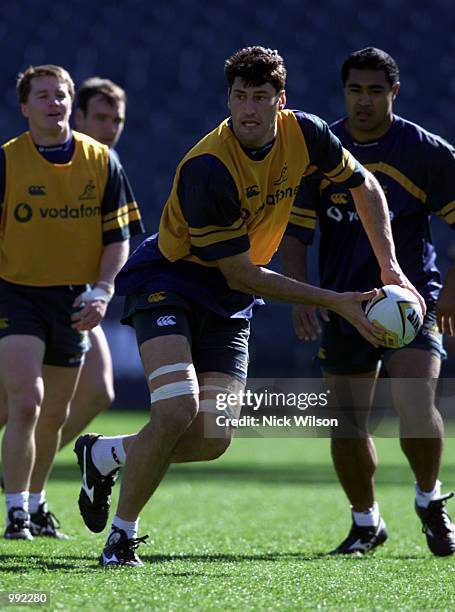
57,217
226,200
416,171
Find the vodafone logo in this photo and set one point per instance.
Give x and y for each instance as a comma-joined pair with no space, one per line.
335,213
23,213
166,320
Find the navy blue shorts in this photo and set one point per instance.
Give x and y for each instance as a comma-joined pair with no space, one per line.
343,354
218,344
44,312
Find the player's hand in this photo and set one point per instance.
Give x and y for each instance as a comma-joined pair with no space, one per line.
90,314
396,276
349,306
306,322
445,309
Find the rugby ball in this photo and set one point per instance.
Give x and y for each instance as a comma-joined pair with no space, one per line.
398,313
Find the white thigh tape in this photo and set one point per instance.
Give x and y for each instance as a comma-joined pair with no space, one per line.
174,367
181,387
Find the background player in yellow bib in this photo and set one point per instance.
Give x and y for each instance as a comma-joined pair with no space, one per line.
67,213
100,107
191,289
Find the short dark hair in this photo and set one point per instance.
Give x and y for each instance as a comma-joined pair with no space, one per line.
24,79
94,86
256,66
371,58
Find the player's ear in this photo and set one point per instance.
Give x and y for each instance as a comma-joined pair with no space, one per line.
24,110
282,100
228,98
395,90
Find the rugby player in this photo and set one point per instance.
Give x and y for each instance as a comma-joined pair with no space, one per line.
66,217
100,108
191,289
416,170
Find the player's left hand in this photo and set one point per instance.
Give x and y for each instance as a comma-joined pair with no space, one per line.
396,276
445,309
92,306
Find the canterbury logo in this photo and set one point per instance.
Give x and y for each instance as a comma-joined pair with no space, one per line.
37,190
156,297
252,190
339,198
167,320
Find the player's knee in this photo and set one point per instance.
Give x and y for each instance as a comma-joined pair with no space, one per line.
24,409
349,427
173,417
215,447
347,446
102,398
53,421
210,438
201,446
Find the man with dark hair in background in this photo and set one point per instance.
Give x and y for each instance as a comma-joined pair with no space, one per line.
416,170
191,289
67,214
100,107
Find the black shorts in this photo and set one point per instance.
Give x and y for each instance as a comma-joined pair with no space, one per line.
44,312
218,344
350,353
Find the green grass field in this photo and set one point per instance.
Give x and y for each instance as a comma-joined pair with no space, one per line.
241,533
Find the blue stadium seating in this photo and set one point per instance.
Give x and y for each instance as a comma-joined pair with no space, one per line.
169,55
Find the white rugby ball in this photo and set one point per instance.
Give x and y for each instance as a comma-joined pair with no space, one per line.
398,313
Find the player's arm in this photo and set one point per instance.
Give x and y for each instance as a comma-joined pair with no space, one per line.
446,304
440,163
293,255
241,274
113,258
120,219
293,249
371,205
2,186
339,166
97,298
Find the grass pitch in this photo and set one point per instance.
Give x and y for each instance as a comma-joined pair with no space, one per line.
244,532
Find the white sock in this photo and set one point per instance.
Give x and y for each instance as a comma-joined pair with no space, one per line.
368,518
108,454
130,527
17,500
35,500
423,498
